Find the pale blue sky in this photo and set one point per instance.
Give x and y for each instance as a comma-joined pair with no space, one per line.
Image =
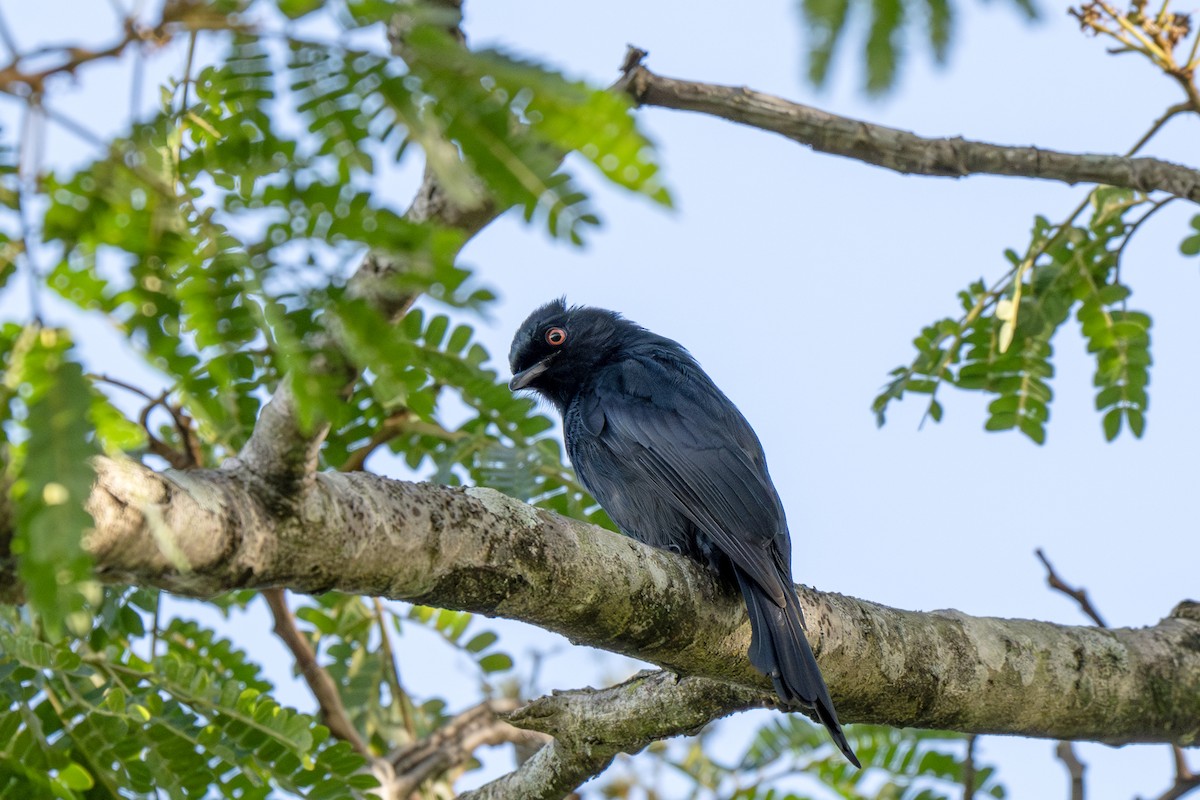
798,280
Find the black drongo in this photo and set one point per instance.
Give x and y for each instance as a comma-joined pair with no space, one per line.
677,466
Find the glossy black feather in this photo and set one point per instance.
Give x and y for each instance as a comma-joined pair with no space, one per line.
676,465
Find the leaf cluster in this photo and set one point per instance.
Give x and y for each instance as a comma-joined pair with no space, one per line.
1002,343
87,717
790,758
219,237
888,25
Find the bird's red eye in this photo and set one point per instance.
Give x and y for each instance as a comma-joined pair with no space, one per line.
555,337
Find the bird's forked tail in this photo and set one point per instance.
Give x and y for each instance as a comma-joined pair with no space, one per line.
779,649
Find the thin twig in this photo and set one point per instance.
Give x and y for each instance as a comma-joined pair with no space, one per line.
192,454
120,384
392,671
136,83
78,128
1180,788
1065,750
390,428
1066,754
7,38
1167,116
1191,63
1079,595
969,769
192,446
27,177
154,632
187,69
1132,230
1182,770
1185,781
333,712
16,81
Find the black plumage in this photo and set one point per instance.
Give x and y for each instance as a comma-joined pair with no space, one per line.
676,465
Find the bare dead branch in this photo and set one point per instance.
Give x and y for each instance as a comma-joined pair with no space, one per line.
192,454
1185,781
969,769
1180,788
452,745
1066,754
902,151
178,18
333,712
1079,595
1182,770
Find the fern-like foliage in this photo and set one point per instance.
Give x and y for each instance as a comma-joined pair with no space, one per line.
219,236
1002,343
46,409
790,758
889,26
89,718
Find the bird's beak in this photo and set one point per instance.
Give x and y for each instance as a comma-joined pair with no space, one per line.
529,375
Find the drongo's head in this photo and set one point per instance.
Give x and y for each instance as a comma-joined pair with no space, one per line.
559,346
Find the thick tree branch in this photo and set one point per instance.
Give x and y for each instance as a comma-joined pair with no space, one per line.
591,726
204,531
899,150
1184,781
280,451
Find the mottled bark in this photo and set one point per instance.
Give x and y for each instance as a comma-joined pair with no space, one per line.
202,532
591,726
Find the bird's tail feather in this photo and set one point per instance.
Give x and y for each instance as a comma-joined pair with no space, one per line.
779,649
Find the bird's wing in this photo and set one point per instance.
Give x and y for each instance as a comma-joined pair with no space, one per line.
671,429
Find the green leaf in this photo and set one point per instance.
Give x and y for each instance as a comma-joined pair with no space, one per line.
513,120
825,22
883,44
1112,424
1034,429
495,662
940,19
116,433
1136,420
1065,269
481,642
294,9
73,776
55,480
